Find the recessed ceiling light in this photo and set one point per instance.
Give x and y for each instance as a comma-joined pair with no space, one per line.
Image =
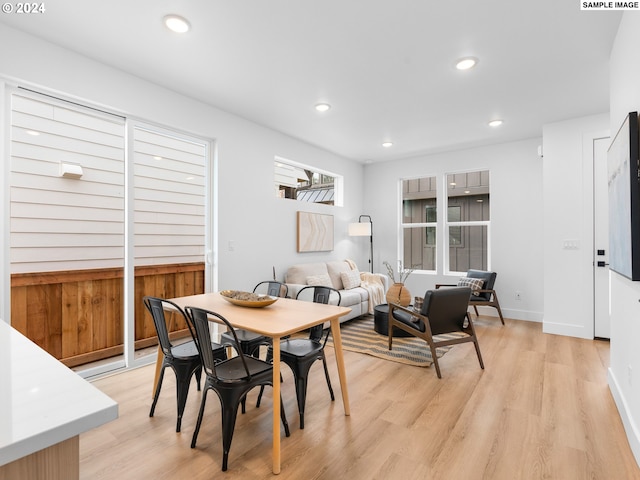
33,133
323,107
466,63
495,123
177,24
387,144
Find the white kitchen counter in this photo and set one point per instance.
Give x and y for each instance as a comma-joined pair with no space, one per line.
42,402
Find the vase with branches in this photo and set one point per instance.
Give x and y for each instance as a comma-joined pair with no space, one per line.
398,293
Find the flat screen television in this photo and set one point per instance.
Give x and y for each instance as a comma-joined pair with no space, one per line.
624,200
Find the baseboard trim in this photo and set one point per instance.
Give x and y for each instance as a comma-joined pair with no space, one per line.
512,313
630,427
567,329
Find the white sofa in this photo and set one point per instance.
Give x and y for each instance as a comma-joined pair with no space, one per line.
356,298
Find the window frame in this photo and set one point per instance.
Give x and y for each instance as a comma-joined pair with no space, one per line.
443,226
404,226
338,180
463,223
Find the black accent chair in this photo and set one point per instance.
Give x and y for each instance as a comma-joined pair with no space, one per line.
486,296
250,342
443,311
301,353
183,359
231,379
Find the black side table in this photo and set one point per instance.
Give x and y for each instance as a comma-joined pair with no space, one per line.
381,322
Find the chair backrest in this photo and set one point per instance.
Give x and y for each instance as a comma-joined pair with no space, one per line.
446,309
489,280
321,294
200,320
156,309
274,289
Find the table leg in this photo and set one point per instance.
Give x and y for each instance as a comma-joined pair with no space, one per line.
159,361
276,405
337,343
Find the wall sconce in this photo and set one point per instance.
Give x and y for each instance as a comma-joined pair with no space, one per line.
70,170
363,229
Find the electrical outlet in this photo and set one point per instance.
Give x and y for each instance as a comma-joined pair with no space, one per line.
518,295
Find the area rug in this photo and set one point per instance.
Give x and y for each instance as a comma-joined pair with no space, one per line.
359,336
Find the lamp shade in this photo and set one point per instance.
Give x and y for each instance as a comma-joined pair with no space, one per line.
362,229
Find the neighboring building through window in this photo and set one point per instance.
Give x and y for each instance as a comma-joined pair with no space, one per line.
419,222
305,183
466,226
468,220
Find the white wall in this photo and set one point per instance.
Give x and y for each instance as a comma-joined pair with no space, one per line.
624,370
261,227
516,217
568,216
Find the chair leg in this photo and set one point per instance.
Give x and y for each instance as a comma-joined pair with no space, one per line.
475,342
283,416
199,421
229,406
497,305
199,376
260,396
157,393
301,395
182,389
183,372
434,357
326,374
476,310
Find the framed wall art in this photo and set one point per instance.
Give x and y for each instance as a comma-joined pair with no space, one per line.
315,232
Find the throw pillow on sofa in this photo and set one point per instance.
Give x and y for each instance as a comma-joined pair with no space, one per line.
350,279
319,280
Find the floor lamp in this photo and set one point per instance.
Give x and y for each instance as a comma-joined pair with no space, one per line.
363,229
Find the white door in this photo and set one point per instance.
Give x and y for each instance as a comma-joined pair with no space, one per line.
600,239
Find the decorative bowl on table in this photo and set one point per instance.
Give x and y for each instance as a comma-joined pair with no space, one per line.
247,299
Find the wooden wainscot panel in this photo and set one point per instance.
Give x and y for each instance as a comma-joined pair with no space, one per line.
78,316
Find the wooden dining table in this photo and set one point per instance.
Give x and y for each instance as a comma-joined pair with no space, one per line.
284,317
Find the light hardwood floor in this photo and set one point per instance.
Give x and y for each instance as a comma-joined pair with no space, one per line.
540,410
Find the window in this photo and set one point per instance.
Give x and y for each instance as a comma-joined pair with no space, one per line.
80,179
305,183
468,220
464,231
60,223
169,197
419,222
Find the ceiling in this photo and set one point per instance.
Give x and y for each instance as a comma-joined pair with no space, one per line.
387,67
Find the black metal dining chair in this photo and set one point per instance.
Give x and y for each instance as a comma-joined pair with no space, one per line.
231,379
301,353
250,342
183,358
